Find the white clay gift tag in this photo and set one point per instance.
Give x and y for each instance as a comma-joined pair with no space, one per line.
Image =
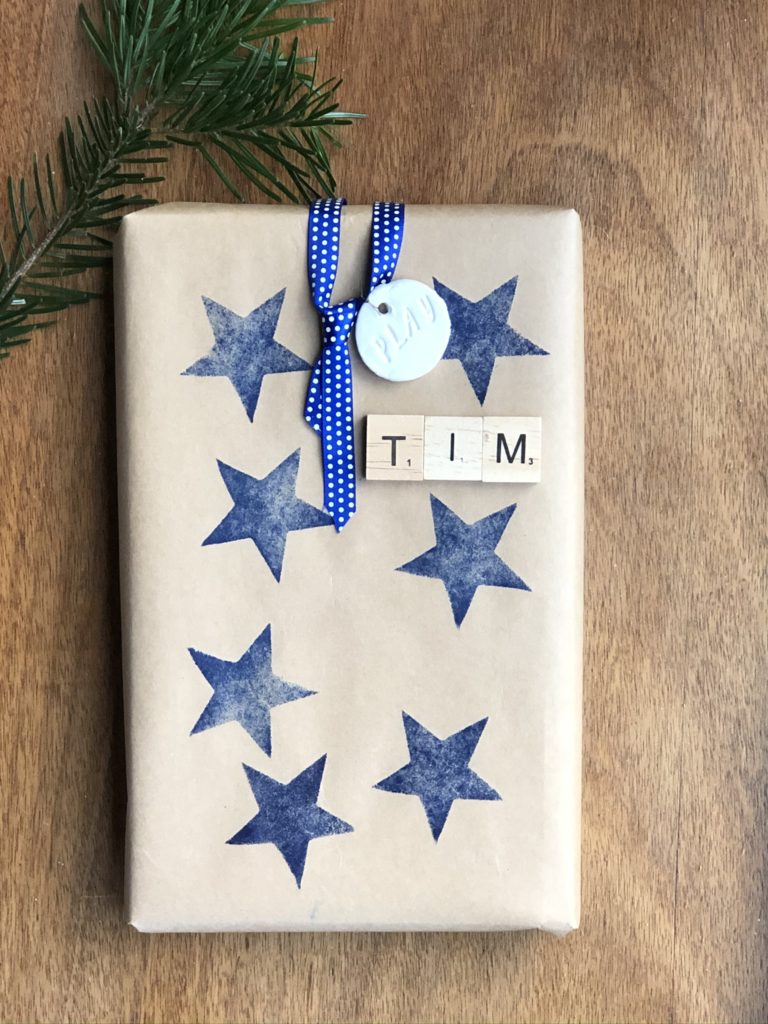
402,330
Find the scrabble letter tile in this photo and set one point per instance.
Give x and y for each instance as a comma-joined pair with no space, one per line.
511,449
394,448
453,447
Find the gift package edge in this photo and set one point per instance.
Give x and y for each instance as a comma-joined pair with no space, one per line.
127,245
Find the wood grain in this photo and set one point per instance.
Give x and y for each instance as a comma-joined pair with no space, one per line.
394,447
650,119
453,447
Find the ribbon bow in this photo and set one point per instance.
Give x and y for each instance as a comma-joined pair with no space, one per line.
328,408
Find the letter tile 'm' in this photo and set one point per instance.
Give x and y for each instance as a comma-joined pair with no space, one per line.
453,447
394,448
511,449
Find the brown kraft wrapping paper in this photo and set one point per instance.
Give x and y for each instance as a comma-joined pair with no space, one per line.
370,642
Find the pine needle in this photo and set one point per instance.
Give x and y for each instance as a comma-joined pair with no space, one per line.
208,74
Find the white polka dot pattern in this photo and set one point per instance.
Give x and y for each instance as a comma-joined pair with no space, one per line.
328,408
386,241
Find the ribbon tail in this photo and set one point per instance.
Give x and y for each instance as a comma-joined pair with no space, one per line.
337,433
313,407
328,410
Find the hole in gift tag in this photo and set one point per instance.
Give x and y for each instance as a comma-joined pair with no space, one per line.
491,449
383,307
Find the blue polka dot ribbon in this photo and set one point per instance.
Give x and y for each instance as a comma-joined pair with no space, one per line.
328,408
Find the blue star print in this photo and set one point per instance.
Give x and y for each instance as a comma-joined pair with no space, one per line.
245,691
480,333
438,772
266,511
245,349
464,557
289,815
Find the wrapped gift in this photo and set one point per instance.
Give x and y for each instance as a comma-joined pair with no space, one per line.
351,517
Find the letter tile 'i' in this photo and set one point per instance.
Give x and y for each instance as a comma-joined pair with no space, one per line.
453,447
394,448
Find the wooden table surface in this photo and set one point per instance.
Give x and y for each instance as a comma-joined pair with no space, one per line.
650,118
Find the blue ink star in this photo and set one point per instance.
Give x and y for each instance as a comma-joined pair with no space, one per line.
245,349
266,511
464,557
480,333
245,691
438,772
289,815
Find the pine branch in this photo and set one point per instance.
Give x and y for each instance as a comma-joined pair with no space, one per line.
206,74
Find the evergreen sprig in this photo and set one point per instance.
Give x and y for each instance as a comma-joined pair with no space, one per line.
209,74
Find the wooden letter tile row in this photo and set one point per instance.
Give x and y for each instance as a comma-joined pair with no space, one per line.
493,449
